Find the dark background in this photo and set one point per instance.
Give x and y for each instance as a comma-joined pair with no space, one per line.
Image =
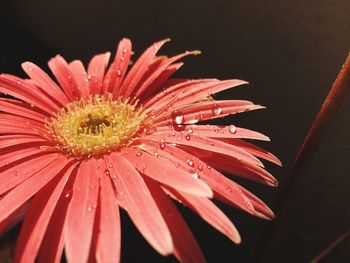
289,51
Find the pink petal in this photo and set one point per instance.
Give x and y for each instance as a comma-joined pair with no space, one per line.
37,218
78,70
16,174
218,132
212,145
223,188
21,140
187,96
210,213
11,156
81,212
53,242
140,205
261,209
245,170
96,72
159,70
159,101
166,171
15,124
205,110
64,76
139,69
41,79
27,92
19,195
161,80
186,248
118,69
21,109
255,150
109,233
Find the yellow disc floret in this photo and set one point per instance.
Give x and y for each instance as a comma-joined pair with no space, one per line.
95,126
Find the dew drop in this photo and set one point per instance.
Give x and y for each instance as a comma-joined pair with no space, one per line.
119,72
122,59
177,165
107,172
200,168
195,175
187,137
110,165
232,129
89,77
229,189
190,163
89,208
177,117
125,50
173,133
139,154
209,167
162,145
190,131
217,110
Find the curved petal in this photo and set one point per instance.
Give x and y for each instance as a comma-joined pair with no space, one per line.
186,248
28,188
81,212
27,92
117,70
53,242
42,80
21,109
96,72
208,144
37,218
209,212
109,233
78,70
205,110
17,174
139,203
139,69
166,171
64,76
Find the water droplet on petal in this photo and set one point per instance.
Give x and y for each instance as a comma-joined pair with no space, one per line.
200,168
209,167
139,154
190,163
177,165
232,129
190,131
195,175
162,145
107,172
119,72
187,137
89,208
217,110
229,189
125,50
110,165
177,117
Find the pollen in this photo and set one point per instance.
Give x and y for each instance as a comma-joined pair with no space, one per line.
96,125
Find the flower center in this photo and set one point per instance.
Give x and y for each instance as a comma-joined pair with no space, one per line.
95,126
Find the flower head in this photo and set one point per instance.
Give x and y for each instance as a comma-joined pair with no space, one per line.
75,151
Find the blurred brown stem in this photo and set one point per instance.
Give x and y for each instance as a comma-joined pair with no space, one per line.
331,247
312,140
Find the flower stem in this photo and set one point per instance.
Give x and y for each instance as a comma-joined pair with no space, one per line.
312,140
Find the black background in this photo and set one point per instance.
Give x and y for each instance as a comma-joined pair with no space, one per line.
289,51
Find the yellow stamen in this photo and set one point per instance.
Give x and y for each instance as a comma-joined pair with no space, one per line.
95,126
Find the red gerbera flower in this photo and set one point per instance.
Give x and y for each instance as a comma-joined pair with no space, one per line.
72,153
